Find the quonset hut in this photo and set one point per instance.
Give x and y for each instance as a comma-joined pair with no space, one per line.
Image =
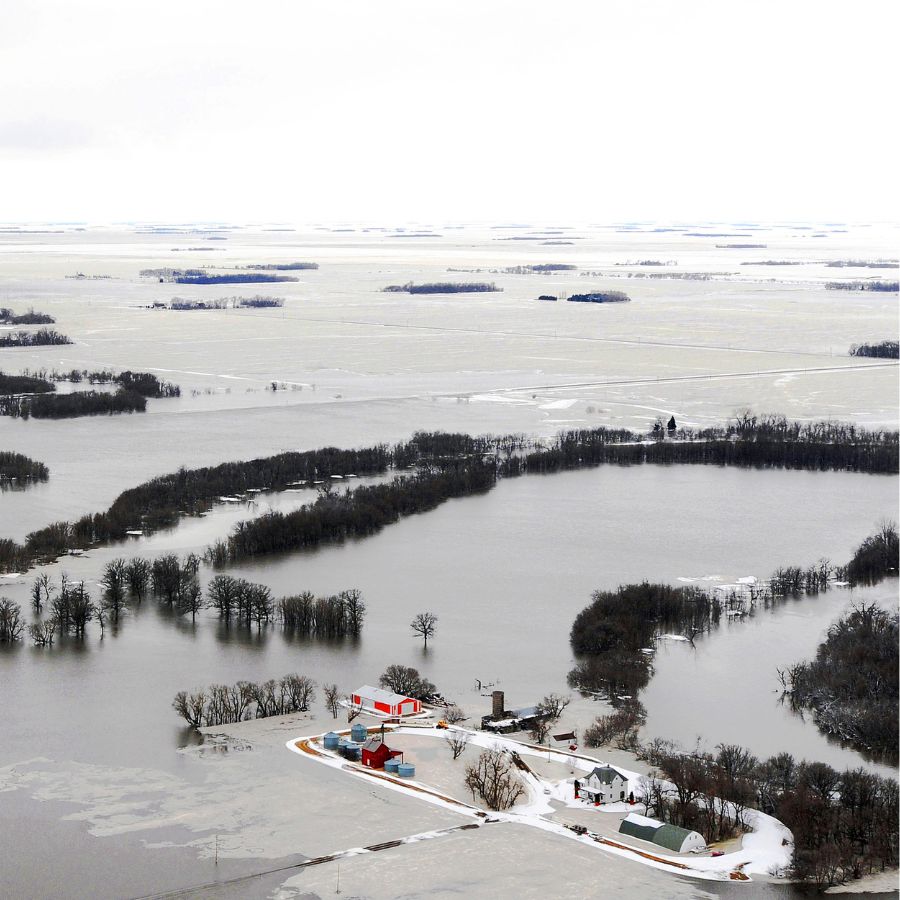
679,840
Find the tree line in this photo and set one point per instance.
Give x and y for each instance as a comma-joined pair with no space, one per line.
8,317
451,465
881,350
67,406
201,276
612,633
844,823
360,512
851,685
890,287
444,287
145,383
174,581
221,704
18,467
600,297
43,337
23,384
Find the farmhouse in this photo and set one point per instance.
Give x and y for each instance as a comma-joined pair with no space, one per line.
604,785
680,840
384,703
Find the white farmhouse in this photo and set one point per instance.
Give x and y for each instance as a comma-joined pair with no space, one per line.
604,785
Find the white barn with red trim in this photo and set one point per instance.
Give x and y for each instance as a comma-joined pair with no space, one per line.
384,703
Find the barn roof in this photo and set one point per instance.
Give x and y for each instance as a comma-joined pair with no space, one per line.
373,743
367,692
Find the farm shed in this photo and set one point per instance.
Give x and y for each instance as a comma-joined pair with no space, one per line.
679,840
385,703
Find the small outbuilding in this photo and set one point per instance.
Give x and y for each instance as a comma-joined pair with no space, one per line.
385,703
672,837
375,753
604,785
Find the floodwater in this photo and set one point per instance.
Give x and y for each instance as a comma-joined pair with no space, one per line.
506,572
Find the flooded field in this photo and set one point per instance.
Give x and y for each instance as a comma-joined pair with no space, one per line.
91,732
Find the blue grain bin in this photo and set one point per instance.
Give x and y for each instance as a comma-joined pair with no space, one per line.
359,732
406,770
391,766
351,751
331,741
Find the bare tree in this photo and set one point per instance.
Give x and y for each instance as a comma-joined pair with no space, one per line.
406,680
493,780
457,741
353,709
540,728
424,624
354,610
454,714
11,623
41,592
191,599
42,633
114,581
332,698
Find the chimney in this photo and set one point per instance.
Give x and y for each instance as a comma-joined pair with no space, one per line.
499,705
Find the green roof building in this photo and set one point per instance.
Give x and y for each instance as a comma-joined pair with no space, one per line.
678,840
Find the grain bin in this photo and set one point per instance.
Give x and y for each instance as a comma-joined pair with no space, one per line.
331,741
391,766
359,732
406,770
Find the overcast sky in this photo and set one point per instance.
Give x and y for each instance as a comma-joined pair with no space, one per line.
471,110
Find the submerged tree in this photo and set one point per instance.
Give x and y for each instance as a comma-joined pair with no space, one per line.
424,624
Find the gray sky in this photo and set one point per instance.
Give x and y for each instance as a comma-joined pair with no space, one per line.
436,111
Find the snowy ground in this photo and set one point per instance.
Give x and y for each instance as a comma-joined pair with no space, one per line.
764,851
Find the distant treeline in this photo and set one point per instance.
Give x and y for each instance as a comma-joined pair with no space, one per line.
758,442
24,384
256,302
885,286
43,337
16,467
741,246
851,685
471,463
221,704
600,297
285,267
444,287
144,383
863,264
201,276
67,406
881,350
8,317
134,388
773,262
539,268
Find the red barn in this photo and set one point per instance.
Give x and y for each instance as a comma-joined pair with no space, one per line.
376,700
375,753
